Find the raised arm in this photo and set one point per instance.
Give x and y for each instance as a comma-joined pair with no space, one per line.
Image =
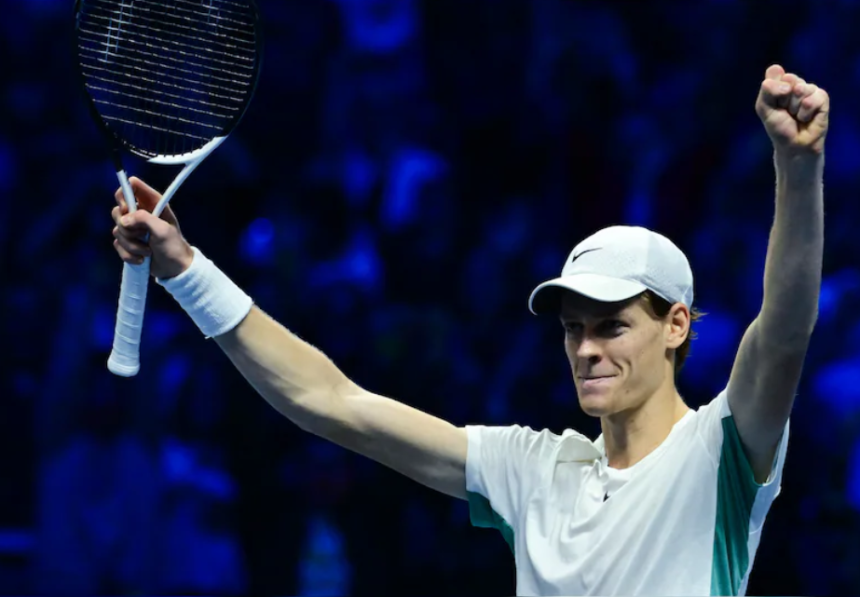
298,380
305,386
768,365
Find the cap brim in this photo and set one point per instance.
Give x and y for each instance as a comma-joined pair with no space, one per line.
546,298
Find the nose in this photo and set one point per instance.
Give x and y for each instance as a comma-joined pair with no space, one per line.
589,349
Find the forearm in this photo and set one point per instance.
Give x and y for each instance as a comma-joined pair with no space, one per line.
298,380
792,276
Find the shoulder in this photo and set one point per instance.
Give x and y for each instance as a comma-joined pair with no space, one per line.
522,442
717,406
513,437
716,426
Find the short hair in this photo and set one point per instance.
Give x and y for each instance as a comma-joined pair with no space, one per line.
659,308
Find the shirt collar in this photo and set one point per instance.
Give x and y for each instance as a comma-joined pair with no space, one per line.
575,447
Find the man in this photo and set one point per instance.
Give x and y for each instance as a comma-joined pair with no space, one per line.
667,500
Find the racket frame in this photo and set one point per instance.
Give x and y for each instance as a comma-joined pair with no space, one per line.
124,359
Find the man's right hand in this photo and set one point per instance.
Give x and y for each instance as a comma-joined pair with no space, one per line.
171,253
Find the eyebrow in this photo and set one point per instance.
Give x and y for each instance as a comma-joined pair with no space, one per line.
580,315
597,310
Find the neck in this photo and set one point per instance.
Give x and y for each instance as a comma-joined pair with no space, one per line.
631,435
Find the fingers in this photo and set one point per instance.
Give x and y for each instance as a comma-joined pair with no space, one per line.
134,221
774,72
790,92
795,113
129,249
130,234
791,79
145,196
135,233
814,101
146,199
775,93
796,95
141,223
788,100
126,256
120,200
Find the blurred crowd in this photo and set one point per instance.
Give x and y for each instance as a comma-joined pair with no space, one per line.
406,174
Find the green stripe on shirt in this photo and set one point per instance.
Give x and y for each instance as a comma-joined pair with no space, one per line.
736,493
481,514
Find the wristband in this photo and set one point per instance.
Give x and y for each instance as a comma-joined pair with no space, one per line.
214,302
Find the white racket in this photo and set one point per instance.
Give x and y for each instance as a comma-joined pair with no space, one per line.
168,81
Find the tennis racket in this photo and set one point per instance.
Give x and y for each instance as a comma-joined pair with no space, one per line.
167,81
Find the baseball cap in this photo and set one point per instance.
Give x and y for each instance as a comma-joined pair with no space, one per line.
618,263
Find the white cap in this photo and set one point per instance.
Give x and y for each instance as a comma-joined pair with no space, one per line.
618,263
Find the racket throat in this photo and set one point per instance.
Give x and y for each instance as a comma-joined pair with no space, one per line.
127,191
116,158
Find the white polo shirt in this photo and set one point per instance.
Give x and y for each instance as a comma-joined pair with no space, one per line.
685,520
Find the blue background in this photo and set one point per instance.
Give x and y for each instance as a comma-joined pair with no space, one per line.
406,174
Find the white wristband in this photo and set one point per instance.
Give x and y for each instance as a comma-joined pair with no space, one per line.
213,300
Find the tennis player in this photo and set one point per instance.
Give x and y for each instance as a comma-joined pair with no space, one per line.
667,500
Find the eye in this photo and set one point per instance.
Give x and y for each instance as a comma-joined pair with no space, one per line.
612,327
572,327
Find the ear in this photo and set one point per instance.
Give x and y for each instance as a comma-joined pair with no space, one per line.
677,325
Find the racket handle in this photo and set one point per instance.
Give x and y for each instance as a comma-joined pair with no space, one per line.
125,357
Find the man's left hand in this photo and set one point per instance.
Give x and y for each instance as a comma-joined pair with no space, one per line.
794,113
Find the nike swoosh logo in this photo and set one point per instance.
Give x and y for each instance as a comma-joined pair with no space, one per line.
575,257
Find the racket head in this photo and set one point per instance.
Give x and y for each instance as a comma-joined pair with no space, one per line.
168,80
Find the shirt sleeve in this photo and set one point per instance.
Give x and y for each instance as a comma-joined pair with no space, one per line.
503,465
737,482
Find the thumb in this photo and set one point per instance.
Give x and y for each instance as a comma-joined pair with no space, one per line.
141,221
147,197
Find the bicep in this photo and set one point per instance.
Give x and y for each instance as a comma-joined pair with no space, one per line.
416,444
761,393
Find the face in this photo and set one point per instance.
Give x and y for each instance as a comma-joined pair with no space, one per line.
619,352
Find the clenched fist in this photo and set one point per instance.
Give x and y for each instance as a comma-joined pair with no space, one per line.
794,112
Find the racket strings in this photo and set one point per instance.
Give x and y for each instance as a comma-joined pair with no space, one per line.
138,123
145,12
141,31
202,102
155,113
181,8
141,55
167,76
148,67
242,7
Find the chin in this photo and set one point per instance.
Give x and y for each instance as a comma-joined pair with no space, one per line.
596,405
598,399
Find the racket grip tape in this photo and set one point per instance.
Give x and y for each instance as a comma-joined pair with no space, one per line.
125,357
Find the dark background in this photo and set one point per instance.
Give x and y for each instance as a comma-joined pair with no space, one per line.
406,174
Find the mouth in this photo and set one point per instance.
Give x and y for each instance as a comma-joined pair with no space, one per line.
595,381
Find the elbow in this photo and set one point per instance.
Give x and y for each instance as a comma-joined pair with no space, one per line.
786,335
325,414
790,320
307,412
